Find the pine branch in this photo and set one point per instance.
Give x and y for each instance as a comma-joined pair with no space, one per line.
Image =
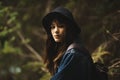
31,49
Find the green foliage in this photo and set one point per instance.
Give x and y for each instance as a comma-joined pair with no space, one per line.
45,77
8,27
8,48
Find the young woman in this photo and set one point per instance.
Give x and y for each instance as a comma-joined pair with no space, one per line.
66,58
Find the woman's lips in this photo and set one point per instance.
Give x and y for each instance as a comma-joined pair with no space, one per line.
56,36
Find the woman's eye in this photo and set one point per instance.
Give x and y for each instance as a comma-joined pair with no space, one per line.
61,26
52,26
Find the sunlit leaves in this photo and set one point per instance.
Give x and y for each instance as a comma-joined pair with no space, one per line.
8,48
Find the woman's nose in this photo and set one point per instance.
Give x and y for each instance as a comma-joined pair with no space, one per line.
56,29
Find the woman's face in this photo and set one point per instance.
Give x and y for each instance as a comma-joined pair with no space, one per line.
58,31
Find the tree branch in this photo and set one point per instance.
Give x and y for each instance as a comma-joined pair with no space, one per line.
115,64
29,47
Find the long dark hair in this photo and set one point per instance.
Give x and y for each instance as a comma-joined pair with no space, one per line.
55,51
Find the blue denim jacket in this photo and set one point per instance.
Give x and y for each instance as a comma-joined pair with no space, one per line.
75,65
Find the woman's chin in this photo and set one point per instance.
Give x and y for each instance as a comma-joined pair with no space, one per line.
58,40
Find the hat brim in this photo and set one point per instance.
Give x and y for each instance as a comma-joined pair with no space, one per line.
50,16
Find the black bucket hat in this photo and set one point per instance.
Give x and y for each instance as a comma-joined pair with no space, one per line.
59,12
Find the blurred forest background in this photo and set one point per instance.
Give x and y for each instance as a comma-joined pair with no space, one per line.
22,37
